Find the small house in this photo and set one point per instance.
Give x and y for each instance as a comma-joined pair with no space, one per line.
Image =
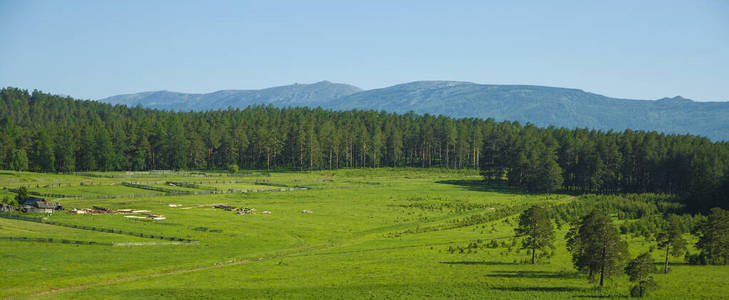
6,207
40,205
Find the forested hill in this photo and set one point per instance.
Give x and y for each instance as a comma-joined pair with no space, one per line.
543,106
43,132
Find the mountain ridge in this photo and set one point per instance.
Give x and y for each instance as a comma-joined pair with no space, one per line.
292,95
540,105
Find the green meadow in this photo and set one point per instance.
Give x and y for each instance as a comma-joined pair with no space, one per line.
354,233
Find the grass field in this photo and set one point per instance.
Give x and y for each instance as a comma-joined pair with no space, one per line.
88,190
372,233
247,186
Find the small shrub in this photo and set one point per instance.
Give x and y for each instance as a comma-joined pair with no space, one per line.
696,259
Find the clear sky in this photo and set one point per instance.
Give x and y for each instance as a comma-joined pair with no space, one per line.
628,49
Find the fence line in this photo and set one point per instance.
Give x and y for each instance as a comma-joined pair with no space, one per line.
94,228
52,240
111,196
131,174
171,192
38,194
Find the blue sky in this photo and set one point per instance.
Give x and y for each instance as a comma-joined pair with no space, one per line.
629,49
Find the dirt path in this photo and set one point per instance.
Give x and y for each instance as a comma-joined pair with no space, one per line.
565,200
153,243
153,275
180,271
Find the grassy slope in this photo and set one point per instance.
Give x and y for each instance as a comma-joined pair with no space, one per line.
345,248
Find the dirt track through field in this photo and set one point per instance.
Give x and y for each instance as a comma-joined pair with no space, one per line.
131,278
174,272
152,243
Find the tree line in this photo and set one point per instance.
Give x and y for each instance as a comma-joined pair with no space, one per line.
43,132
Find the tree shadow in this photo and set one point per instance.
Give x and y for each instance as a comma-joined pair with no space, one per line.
532,274
542,289
599,296
670,263
481,186
487,263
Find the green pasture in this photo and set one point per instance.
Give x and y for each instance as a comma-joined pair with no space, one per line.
235,186
88,190
366,233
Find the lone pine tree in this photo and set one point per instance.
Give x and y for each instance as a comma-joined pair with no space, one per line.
640,270
596,246
537,229
671,239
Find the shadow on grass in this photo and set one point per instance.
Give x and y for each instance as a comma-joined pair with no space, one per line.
542,289
531,274
680,263
487,263
586,292
481,186
599,296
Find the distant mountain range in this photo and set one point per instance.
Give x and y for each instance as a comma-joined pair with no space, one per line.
540,105
316,94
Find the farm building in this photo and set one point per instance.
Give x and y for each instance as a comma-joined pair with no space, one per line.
5,207
40,205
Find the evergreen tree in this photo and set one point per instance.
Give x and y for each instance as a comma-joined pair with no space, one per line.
329,141
671,239
363,140
213,141
175,145
377,144
545,175
87,151
22,195
104,150
394,146
196,157
537,229
640,270
18,160
43,155
9,201
476,143
240,141
120,148
142,157
312,144
65,151
596,246
714,237
233,169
